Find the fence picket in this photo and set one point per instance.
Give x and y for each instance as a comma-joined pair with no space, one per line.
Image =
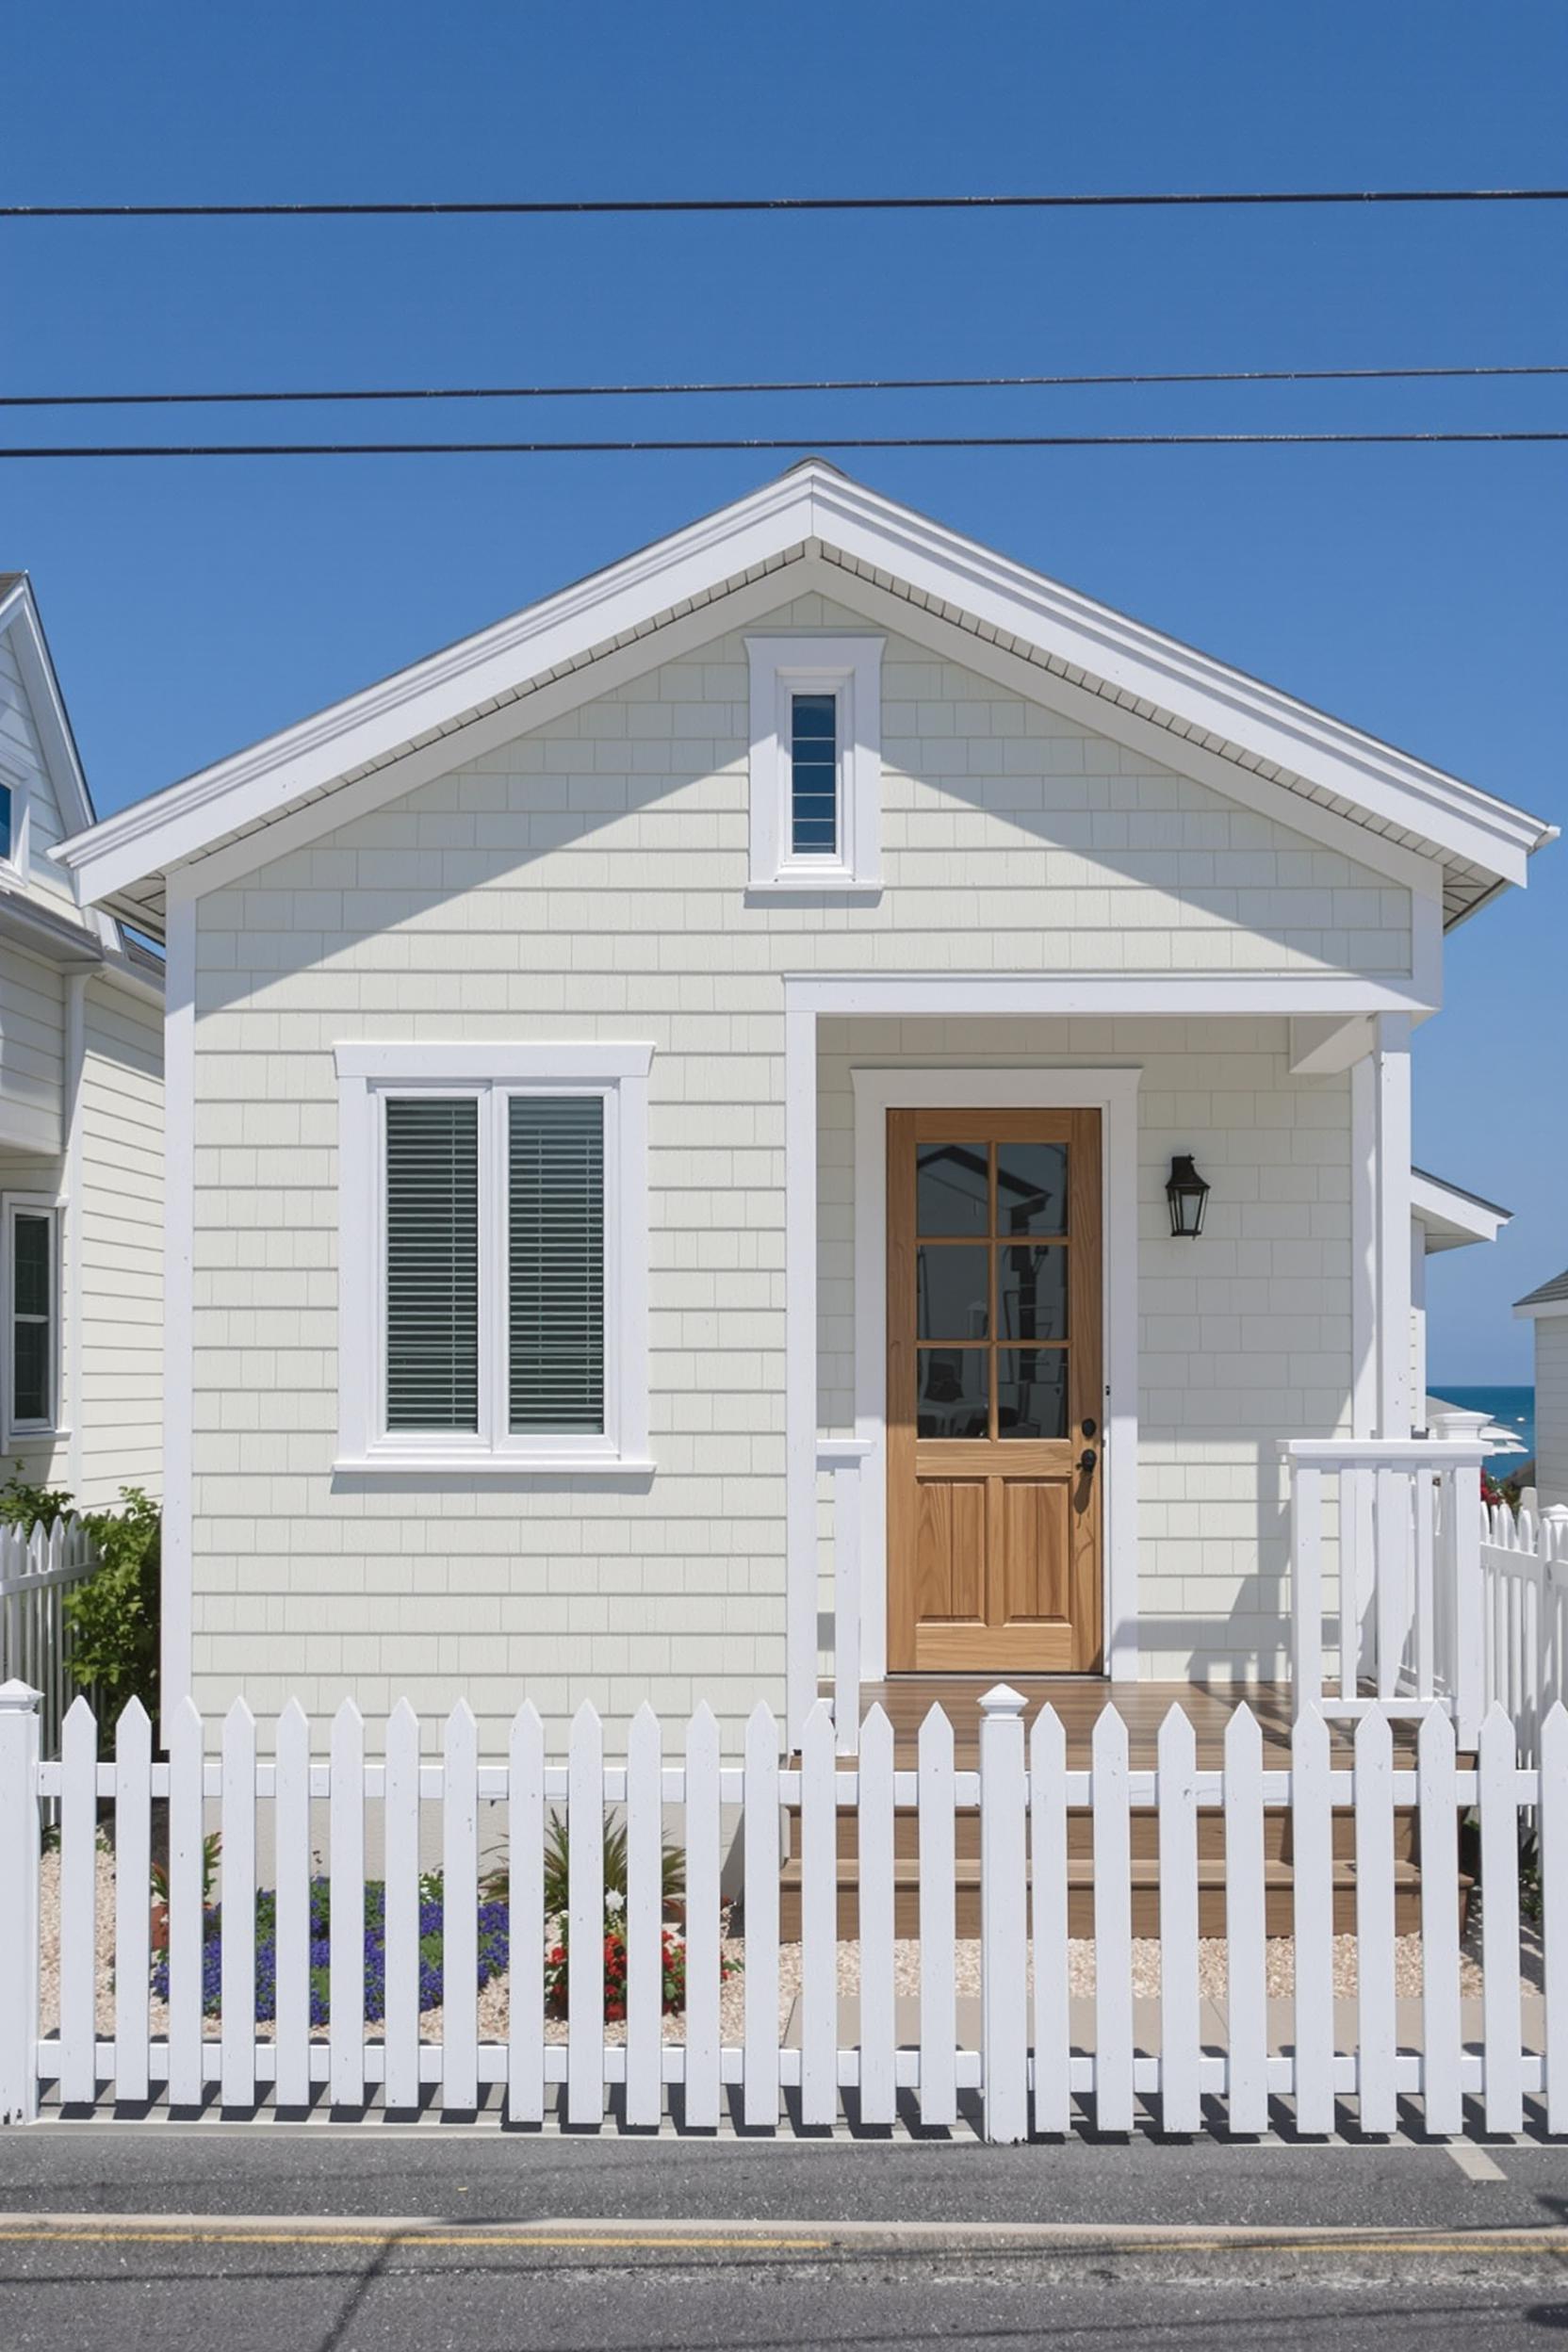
819,1920
1312,1920
291,1876
185,1921
1502,2022
645,1921
761,2068
1376,2102
1003,1918
1181,2102
133,1872
700,2096
525,1917
878,2075
1443,2099
939,2002
1113,1927
459,1912
237,1926
585,1920
1554,1908
400,1820
78,1904
1245,1951
1048,1842
346,1932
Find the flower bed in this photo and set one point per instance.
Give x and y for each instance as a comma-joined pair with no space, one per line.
494,1952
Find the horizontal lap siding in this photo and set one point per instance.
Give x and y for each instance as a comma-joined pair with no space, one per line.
21,752
588,881
32,1052
122,1279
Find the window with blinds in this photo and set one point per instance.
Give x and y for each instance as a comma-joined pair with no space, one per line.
555,1251
32,1283
431,1262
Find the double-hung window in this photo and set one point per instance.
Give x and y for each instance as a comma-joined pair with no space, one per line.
494,1230
816,763
29,1384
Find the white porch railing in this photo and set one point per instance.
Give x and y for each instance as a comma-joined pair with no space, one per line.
1524,1574
843,1458
1407,1628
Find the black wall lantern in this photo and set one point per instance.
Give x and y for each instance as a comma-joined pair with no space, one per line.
1188,1196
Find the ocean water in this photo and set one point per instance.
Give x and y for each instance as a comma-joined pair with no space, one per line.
1513,1407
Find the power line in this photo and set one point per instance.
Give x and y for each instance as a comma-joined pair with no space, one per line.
553,207
826,383
800,442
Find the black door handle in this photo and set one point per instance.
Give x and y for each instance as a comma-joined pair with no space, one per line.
1087,1460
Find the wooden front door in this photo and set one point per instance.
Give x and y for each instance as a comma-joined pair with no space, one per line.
995,1392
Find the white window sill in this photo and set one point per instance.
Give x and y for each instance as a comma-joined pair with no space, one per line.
477,1466
34,1437
832,884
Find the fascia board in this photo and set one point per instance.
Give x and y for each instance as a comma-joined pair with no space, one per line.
1533,1312
1126,654
1450,1216
810,502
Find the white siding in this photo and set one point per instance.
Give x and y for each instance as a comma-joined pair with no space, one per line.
121,1227
32,1052
1551,1407
21,753
590,881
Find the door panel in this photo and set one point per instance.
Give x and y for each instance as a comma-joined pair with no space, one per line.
994,1387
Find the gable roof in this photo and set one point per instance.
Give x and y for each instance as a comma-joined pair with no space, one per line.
813,515
1550,1298
1451,1216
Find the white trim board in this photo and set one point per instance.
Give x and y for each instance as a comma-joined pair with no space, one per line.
1114,1094
179,1295
813,502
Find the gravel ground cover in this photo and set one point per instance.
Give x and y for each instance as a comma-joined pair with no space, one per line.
493,2000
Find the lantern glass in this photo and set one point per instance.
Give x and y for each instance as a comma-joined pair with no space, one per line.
1188,1197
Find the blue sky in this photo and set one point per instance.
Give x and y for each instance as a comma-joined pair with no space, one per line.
1419,591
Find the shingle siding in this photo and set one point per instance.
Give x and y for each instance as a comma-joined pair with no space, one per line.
589,881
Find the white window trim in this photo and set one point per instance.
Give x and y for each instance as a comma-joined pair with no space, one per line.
15,1433
850,669
18,784
366,1074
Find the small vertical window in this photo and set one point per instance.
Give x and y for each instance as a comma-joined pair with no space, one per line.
8,824
815,775
431,1262
32,1337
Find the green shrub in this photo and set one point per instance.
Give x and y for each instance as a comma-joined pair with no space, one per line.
558,1862
113,1613
24,1505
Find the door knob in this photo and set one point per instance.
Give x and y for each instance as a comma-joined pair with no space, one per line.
1087,1460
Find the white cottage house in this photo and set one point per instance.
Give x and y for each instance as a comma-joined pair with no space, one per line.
816,1104
81,1120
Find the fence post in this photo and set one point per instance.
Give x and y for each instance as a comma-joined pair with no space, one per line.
1004,1921
19,1876
1469,1617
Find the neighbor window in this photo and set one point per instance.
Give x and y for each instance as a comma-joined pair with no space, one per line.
32,1315
493,1274
816,763
8,824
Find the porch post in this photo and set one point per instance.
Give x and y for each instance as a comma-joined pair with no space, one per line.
800,1365
1380,1227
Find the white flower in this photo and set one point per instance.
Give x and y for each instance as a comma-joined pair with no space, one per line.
613,1900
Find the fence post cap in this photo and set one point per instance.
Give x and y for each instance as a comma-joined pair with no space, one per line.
1002,1699
1556,1512
19,1698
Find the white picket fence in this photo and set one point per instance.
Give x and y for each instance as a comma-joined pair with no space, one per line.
36,1570
1524,1612
1034,2055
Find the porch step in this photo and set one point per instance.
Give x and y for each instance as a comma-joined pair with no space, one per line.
1278,1898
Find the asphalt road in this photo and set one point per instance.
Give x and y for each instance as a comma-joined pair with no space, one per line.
347,2241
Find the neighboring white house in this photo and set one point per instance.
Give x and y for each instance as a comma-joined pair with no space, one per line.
81,1120
1547,1309
677,1092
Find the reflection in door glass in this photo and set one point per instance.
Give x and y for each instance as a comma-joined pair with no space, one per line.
1031,1392
953,1188
952,1396
952,1291
1031,1188
1031,1293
